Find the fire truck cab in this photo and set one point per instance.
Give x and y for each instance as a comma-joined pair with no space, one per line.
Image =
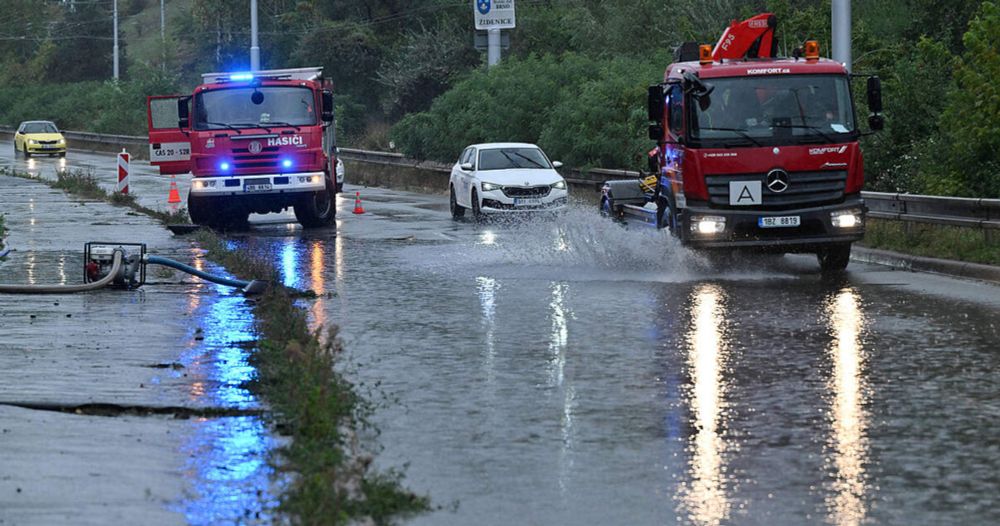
255,142
753,151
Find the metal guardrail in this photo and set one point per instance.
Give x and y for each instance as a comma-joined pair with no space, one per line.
953,211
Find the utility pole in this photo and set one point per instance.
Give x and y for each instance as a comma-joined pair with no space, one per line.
116,37
254,48
163,35
493,40
842,32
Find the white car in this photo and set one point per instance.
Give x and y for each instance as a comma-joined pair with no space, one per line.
507,178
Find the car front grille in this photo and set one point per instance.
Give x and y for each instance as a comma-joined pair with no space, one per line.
529,191
48,142
804,188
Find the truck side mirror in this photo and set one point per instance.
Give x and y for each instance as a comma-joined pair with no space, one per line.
655,103
875,94
183,116
876,122
327,114
656,132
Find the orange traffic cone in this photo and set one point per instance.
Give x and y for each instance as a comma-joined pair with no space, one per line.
175,196
357,204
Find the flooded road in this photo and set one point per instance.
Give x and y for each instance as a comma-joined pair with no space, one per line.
569,371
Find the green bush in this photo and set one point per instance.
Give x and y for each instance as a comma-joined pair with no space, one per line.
582,110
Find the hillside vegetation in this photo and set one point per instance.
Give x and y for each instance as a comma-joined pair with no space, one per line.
573,81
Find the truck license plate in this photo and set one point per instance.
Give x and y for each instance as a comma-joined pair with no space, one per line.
778,222
260,184
524,201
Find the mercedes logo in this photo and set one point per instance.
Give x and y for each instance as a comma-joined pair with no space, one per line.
777,180
255,147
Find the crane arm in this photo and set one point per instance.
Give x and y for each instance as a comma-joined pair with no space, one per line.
751,38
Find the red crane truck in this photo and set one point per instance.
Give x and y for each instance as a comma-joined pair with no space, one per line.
255,142
753,150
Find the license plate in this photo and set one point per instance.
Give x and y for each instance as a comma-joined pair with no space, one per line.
257,187
524,201
779,222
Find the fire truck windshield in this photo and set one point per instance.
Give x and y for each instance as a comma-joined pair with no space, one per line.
236,107
770,110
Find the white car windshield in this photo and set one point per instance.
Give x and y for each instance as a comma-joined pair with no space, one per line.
512,158
40,127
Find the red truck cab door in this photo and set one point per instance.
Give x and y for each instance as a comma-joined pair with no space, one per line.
169,145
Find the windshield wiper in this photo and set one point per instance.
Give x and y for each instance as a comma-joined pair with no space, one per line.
530,160
740,131
818,131
230,126
278,123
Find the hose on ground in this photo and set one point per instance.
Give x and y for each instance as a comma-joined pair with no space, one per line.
116,266
248,287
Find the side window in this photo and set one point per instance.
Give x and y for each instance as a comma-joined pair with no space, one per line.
676,110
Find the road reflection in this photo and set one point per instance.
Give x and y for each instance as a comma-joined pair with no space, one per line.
849,444
488,288
558,347
227,470
704,499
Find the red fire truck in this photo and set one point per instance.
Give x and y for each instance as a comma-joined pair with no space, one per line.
255,143
753,150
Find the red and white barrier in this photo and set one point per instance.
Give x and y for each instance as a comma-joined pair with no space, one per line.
123,169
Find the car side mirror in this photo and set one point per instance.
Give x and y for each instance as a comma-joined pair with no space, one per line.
557,165
328,106
654,103
183,116
466,167
876,122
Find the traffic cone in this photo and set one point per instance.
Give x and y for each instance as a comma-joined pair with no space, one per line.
175,196
357,204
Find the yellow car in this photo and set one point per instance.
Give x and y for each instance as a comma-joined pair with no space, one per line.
34,137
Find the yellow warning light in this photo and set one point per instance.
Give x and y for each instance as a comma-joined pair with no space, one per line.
812,50
705,54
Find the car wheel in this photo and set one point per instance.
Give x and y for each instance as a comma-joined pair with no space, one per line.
835,258
317,209
477,209
457,210
27,154
200,211
62,154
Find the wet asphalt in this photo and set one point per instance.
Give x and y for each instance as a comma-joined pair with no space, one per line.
567,370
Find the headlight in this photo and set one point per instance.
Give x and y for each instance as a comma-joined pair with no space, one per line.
204,184
62,141
846,218
32,141
489,187
560,185
708,225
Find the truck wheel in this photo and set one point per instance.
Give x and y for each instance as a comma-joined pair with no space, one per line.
317,209
457,211
199,210
835,258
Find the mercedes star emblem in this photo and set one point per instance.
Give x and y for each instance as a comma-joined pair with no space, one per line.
777,180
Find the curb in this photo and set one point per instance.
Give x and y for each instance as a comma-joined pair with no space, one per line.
926,264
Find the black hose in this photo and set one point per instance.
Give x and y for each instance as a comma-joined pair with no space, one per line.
248,287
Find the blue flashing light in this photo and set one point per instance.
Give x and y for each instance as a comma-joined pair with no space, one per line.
238,77
224,166
287,163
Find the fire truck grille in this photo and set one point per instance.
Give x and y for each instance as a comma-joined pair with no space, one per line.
531,191
255,161
244,151
804,189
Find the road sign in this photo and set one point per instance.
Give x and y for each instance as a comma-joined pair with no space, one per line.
123,169
494,14
482,41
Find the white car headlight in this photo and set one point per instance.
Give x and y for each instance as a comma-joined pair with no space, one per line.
62,141
32,141
560,185
489,187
